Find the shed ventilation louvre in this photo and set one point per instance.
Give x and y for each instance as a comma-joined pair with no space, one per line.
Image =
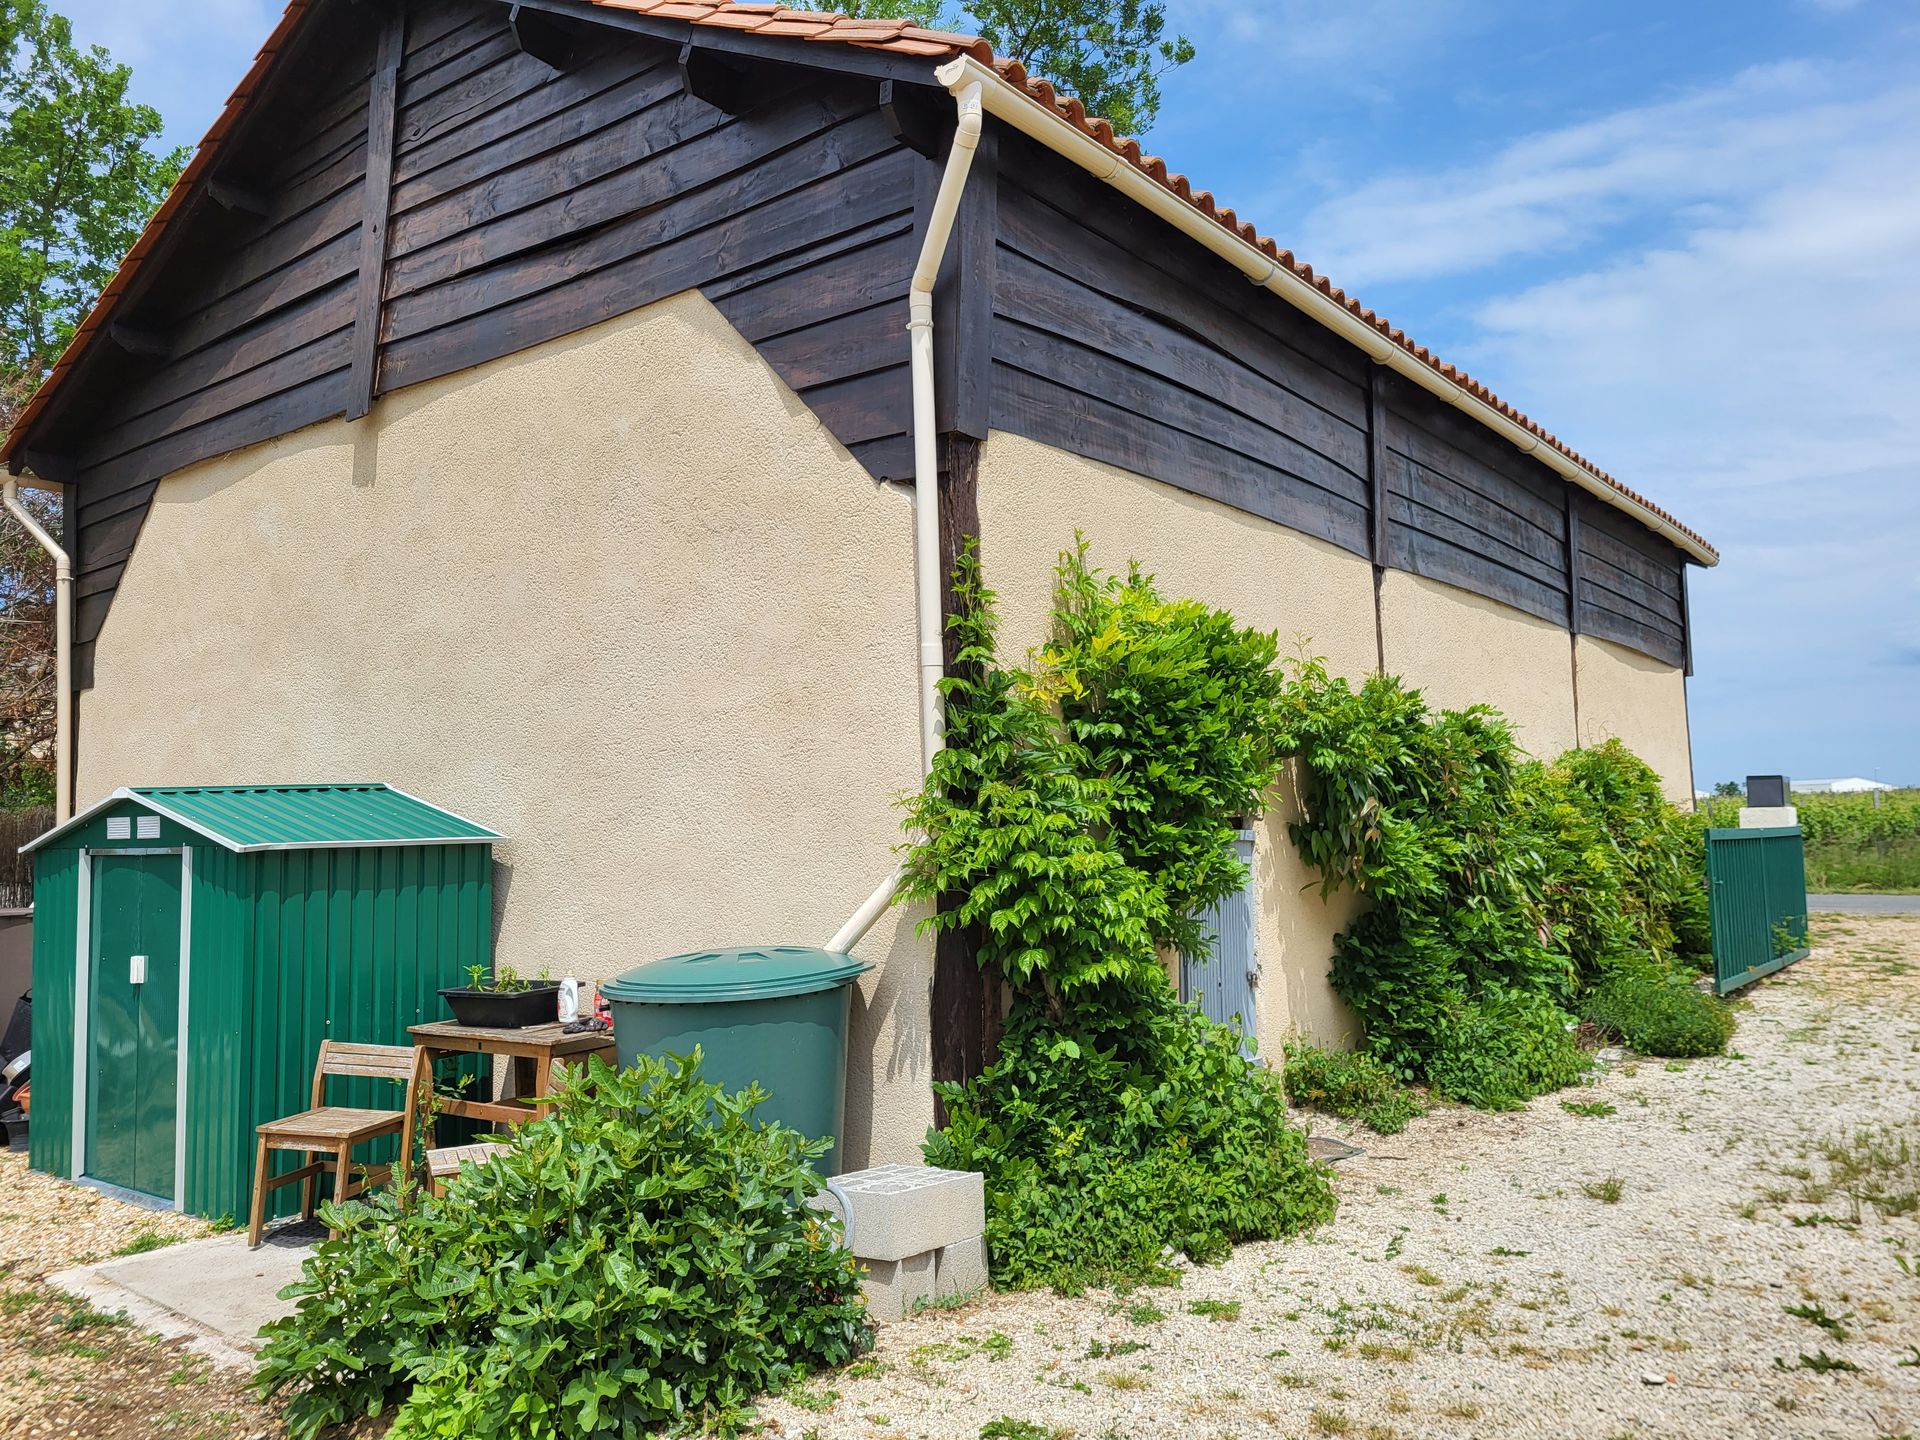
147,827
119,827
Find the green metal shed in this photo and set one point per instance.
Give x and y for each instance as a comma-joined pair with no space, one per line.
192,947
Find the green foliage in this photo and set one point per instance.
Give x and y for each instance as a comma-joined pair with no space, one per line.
641,1260
1863,843
1076,825
77,180
1501,887
1349,1083
1110,54
1136,1131
1082,814
1657,1012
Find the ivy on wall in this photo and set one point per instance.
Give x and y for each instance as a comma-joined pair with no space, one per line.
1080,820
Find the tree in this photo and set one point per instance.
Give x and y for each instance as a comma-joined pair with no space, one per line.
1108,53
77,182
77,179
1728,787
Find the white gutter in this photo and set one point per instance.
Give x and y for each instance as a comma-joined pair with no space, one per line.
62,650
930,615
1020,110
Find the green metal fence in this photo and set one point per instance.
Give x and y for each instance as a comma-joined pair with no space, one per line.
1757,888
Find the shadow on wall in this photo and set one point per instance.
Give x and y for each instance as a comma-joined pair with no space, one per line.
889,1046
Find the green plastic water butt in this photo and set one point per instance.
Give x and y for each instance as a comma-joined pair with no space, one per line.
775,1014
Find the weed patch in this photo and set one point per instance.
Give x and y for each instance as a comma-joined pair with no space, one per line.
1352,1084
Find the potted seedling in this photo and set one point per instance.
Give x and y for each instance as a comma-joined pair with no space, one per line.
504,1000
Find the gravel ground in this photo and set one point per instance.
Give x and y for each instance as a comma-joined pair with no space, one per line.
1474,1285
1471,1285
68,1370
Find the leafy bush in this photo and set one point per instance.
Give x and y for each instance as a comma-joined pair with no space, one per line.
1501,887
1657,1012
1351,1084
1121,1138
1078,823
642,1259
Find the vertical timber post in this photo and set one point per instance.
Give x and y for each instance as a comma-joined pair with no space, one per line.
382,100
1377,498
965,1018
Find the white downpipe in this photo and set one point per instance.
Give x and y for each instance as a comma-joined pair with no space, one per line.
930,619
967,75
62,650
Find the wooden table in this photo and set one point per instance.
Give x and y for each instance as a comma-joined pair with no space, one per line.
534,1051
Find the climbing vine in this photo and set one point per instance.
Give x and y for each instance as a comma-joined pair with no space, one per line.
1506,893
1079,822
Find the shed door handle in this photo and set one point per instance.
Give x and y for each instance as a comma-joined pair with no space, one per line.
137,970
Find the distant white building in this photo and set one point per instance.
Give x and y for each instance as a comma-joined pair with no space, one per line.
1852,785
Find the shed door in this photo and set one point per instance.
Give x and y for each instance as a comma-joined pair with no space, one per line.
133,1010
1221,983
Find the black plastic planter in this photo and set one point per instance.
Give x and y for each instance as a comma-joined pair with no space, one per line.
504,1009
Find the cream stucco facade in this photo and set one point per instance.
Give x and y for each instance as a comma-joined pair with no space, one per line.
1318,597
624,598
1460,649
1635,698
621,597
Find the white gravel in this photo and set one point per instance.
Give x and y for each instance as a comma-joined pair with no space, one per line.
1471,1287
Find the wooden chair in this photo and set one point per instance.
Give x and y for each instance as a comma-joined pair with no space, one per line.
327,1134
444,1164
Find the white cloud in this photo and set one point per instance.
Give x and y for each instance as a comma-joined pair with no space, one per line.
1754,370
1693,158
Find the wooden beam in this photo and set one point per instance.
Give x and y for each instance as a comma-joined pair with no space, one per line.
136,341
845,59
229,196
382,96
963,294
547,38
54,468
1686,629
1377,459
964,1017
1573,560
716,81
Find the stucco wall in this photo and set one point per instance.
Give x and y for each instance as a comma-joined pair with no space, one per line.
1642,701
1460,649
1317,596
621,597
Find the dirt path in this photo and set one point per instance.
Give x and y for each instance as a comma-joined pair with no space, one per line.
1480,1281
68,1370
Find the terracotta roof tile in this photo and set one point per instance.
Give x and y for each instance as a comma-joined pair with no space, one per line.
872,34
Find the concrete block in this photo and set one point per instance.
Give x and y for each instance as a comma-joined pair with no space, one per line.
960,1268
893,1287
894,1211
1768,817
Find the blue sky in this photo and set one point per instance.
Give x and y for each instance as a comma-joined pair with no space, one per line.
1684,237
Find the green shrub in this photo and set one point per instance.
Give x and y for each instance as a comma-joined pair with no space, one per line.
1351,1084
1658,1012
642,1260
1502,887
1078,823
1121,1138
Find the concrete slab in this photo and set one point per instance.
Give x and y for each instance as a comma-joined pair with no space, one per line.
214,1294
1865,904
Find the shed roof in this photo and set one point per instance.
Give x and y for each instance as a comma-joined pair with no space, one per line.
294,817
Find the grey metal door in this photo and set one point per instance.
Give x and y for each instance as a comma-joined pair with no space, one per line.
1221,983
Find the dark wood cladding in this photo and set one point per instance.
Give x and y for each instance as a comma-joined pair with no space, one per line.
1466,509
523,189
1632,586
1117,340
519,202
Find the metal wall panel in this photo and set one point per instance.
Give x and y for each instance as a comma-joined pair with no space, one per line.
56,914
1757,890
